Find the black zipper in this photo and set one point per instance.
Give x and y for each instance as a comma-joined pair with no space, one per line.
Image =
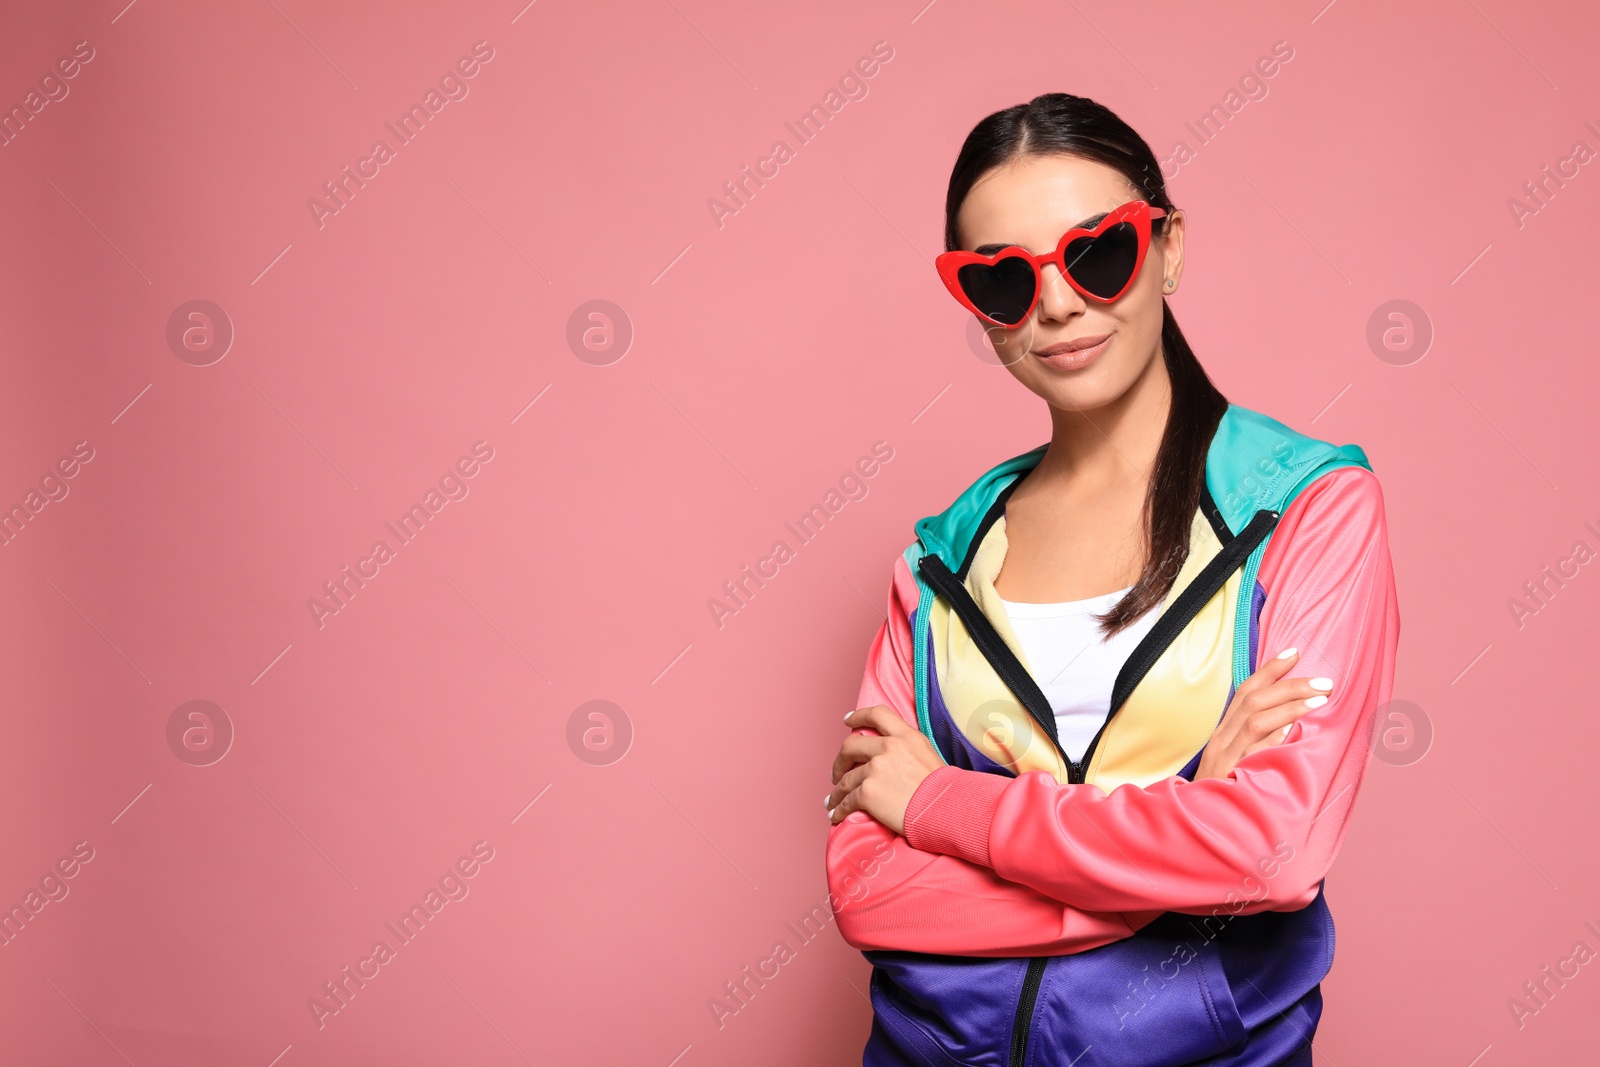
1023,1023
1179,614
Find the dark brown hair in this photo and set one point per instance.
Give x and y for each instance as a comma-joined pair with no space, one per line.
1062,124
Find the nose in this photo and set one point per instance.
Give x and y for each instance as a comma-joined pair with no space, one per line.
1058,301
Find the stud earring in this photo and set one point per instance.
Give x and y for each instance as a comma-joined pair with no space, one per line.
1170,283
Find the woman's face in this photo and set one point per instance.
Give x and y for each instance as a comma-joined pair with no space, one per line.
1031,202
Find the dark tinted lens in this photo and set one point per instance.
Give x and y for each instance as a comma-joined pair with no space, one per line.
1004,292
1104,264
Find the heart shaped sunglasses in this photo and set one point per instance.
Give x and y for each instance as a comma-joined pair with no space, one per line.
1101,263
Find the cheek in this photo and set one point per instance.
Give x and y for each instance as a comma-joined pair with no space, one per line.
1138,338
1011,347
1139,315
1142,346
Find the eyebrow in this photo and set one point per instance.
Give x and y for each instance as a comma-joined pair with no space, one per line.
1086,224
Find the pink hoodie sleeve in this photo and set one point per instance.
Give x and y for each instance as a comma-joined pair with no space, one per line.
889,895
1260,839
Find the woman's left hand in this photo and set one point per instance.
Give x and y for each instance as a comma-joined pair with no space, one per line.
877,771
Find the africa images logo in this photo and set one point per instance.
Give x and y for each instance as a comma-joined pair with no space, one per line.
852,86
452,86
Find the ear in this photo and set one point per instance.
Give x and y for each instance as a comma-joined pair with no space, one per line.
1171,244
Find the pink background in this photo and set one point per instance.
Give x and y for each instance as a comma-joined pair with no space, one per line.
768,355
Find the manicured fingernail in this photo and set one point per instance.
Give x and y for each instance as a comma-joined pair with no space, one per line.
1316,702
848,714
1323,684
1286,653
830,813
825,798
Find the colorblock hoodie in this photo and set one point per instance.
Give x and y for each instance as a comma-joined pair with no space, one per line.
1039,910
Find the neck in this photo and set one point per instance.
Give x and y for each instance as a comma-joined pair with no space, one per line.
1113,443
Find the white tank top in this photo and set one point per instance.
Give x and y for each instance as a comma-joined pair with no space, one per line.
1072,664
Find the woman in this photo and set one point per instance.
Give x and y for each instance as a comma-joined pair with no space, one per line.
1043,838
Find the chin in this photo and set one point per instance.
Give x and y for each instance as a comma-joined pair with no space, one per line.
1092,388
1069,399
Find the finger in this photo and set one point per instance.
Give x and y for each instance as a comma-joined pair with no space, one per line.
1248,696
846,785
886,720
1263,725
879,717
1275,668
853,801
1260,692
1276,739
857,748
849,804
843,765
1276,694
1287,690
1269,672
842,807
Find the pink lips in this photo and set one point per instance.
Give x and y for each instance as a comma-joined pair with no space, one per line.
1073,355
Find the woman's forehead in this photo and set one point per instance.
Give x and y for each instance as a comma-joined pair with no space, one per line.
1035,199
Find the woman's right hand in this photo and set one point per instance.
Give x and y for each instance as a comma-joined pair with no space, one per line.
1260,714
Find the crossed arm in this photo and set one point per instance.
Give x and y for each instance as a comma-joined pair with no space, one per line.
995,866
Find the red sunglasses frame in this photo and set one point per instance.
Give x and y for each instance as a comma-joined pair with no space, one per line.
1137,212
